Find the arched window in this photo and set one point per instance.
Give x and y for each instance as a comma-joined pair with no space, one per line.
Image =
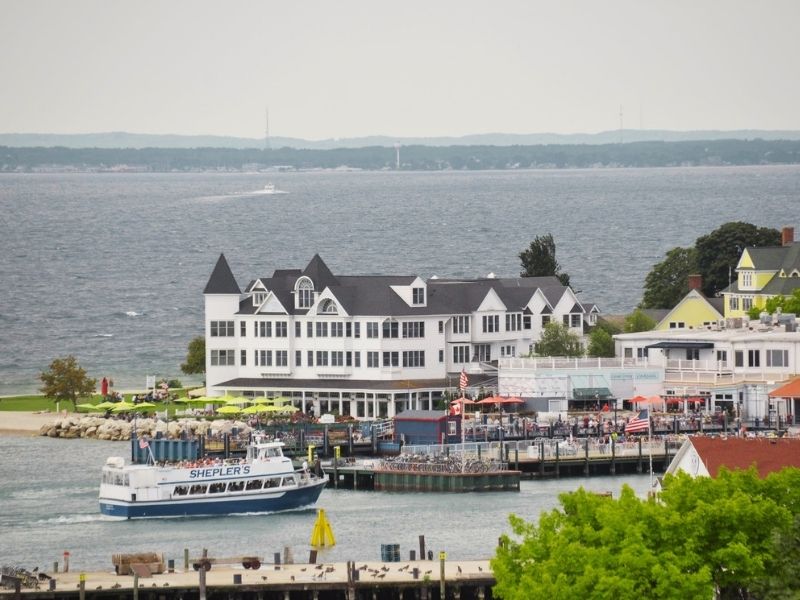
328,306
305,293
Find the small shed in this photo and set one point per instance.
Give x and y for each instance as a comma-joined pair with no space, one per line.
427,427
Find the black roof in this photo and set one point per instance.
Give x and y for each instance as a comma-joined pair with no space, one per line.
222,280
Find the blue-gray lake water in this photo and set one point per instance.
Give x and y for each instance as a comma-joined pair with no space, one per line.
49,487
111,267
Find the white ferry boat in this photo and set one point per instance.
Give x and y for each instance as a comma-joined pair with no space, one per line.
264,481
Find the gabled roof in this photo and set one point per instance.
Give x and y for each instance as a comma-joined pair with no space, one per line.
222,280
767,454
695,296
787,390
319,273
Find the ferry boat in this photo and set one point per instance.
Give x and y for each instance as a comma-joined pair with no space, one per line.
264,481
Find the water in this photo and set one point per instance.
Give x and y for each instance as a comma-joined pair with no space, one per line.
48,492
111,267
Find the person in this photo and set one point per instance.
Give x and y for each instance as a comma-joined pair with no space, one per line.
104,387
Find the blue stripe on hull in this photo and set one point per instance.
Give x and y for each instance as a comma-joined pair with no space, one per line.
295,498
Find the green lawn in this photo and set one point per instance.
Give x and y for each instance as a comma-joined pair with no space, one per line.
39,403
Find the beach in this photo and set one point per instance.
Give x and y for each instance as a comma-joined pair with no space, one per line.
24,423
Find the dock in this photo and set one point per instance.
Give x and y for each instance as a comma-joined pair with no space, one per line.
409,580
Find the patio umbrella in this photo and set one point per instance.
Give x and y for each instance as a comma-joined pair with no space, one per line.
462,400
638,400
123,407
228,410
236,400
674,401
106,405
285,408
255,409
88,406
144,405
262,400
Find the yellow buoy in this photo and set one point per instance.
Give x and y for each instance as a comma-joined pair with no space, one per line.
322,534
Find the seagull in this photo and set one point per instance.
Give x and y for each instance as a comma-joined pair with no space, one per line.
319,567
303,569
99,587
382,575
480,568
264,577
459,568
166,584
115,586
291,577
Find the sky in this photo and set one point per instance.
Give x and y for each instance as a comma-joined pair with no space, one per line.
345,68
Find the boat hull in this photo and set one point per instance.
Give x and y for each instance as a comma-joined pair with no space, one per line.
251,503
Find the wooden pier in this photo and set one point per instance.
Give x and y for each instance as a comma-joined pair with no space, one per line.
409,580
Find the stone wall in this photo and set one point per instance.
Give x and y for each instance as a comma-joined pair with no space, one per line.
112,429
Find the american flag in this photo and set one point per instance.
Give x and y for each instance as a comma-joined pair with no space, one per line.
463,382
143,443
640,422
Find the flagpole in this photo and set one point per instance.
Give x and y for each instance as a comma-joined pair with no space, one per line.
650,443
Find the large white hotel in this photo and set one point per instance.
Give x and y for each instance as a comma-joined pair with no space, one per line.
372,346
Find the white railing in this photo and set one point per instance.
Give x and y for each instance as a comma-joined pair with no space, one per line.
562,362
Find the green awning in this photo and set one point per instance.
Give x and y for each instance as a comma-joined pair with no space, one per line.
591,393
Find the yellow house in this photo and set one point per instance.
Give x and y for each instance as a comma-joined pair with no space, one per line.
764,273
694,311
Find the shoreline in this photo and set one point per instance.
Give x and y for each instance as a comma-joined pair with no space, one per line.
23,423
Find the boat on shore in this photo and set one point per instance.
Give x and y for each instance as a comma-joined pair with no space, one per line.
263,481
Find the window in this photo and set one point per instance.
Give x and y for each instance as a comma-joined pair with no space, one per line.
565,320
451,428
526,322
777,358
738,358
357,359
482,353
628,353
281,329
258,298
372,329
298,329
298,358
414,358
508,351
281,358
641,353
221,328
390,329
242,329
417,295
414,329
734,302
223,358
322,329
441,356
243,358
356,329
747,303
460,354
754,358
391,359
677,325
263,328
310,358
264,358
329,307
545,320
309,329
747,279
441,326
372,360
575,320
322,358
693,354
337,329
513,322
348,329
491,323
348,359
305,293
461,324
337,358
722,356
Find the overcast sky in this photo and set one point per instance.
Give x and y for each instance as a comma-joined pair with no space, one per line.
403,67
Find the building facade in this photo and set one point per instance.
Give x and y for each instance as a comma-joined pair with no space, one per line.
371,346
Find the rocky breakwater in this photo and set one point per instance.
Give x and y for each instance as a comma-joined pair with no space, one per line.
101,428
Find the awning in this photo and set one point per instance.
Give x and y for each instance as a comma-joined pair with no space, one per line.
677,344
591,393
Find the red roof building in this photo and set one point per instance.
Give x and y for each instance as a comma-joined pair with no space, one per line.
704,456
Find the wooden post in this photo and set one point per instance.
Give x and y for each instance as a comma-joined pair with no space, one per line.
422,547
335,473
202,576
185,559
442,557
613,457
516,457
586,457
639,463
135,586
558,466
82,586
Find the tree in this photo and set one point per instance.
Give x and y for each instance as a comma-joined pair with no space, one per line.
539,260
718,252
638,321
558,340
600,343
668,281
65,380
195,357
787,304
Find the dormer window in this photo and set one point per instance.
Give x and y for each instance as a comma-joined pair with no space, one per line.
258,298
305,293
747,279
418,295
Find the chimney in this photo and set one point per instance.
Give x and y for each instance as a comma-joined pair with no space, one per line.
695,282
787,236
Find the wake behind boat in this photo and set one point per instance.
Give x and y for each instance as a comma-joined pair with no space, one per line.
268,190
264,481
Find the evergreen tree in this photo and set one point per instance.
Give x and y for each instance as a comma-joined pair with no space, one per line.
539,259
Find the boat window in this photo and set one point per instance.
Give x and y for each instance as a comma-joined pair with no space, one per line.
181,490
272,482
216,488
235,486
197,489
288,480
125,480
254,484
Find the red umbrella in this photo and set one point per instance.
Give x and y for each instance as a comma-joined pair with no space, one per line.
462,400
674,401
501,400
638,399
